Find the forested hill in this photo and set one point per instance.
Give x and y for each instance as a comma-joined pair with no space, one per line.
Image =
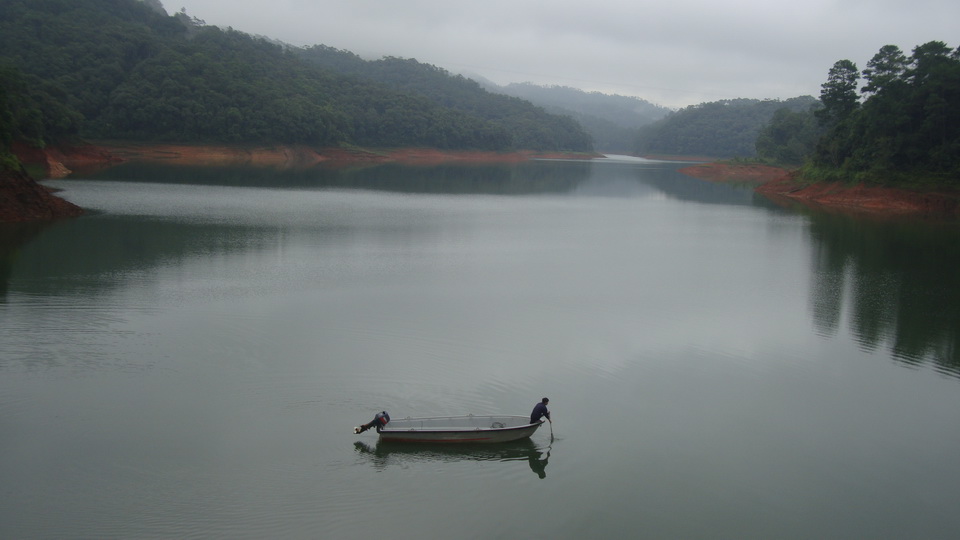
612,120
727,128
533,127
122,69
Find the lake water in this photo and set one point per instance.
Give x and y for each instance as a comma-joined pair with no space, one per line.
189,359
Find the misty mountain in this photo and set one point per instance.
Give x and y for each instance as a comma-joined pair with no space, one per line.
625,111
612,120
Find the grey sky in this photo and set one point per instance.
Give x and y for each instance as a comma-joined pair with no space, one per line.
673,53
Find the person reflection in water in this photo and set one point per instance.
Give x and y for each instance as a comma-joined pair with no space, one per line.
538,465
539,411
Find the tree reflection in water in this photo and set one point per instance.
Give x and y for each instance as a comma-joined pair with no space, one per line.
898,282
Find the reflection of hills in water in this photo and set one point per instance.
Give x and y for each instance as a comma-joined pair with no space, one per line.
603,178
894,284
13,236
384,454
505,179
898,283
686,188
99,246
638,177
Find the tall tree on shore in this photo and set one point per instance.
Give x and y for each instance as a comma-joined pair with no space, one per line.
907,130
839,93
885,67
928,61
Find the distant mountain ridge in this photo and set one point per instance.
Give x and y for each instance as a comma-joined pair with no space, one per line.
611,119
626,111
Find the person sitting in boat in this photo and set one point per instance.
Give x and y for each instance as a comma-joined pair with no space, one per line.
378,421
539,411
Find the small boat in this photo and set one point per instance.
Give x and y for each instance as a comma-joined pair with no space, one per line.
459,429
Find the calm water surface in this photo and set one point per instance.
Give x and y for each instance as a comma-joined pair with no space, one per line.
189,359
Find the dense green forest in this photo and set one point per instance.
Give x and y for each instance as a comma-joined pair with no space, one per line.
124,69
532,127
612,120
790,137
720,129
905,130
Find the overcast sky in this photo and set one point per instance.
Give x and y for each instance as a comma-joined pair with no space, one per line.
673,52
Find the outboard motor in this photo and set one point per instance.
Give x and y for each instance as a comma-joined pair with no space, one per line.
378,422
382,418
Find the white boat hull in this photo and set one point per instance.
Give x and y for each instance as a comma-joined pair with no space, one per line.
459,429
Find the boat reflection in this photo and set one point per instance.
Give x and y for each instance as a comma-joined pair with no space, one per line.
384,454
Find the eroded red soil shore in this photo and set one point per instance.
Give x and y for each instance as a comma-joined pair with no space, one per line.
740,173
292,157
782,187
23,199
20,202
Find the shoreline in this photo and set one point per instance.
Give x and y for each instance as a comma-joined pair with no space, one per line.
777,184
59,162
782,187
23,198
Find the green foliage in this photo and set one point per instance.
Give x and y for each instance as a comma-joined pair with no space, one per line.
790,137
908,128
722,129
6,113
123,69
513,122
33,110
7,160
839,94
884,68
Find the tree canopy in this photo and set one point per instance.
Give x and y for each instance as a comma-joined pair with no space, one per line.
726,128
790,136
906,130
839,94
124,69
531,127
